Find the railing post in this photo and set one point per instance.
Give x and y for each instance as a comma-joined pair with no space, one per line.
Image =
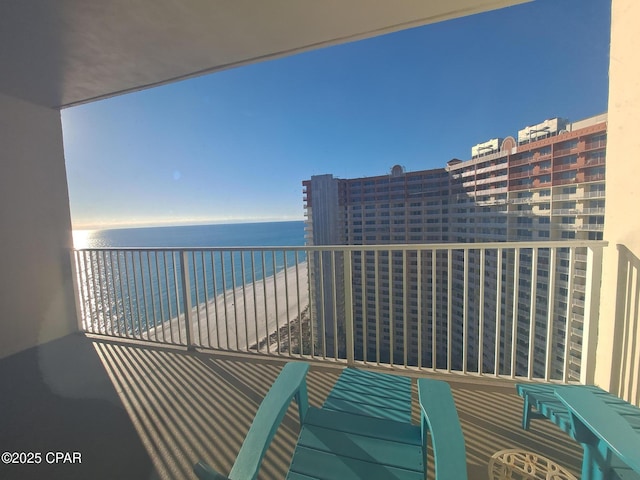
591,314
348,307
186,297
75,271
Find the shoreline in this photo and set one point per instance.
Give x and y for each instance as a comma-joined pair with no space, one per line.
232,323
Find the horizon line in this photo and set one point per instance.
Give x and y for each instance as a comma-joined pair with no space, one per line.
185,223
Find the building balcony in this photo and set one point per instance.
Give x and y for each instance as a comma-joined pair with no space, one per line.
566,211
140,410
136,405
593,211
490,191
592,227
595,162
568,196
594,178
489,180
516,175
565,181
493,168
594,194
525,186
565,151
520,161
517,201
563,168
595,145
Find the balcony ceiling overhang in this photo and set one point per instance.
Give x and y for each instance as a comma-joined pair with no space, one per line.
60,53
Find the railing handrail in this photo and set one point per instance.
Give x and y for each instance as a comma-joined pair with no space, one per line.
526,244
222,298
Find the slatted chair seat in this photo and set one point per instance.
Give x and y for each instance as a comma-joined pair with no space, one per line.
371,394
342,445
362,432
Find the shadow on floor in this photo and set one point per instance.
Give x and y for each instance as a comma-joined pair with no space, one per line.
138,411
59,398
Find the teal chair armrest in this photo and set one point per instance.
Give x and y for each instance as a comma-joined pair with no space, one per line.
290,384
440,419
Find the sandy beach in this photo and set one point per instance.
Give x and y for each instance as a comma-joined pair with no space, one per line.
242,317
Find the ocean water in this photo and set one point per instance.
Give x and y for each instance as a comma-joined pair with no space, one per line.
229,235
126,286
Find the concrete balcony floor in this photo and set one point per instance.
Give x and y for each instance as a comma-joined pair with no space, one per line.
149,412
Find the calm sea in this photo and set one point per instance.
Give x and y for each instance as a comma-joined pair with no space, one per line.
117,284
230,235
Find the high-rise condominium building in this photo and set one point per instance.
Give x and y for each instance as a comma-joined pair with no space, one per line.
546,183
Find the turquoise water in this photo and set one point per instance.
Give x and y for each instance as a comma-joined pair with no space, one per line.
229,235
134,290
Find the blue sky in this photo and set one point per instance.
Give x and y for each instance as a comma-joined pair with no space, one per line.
235,146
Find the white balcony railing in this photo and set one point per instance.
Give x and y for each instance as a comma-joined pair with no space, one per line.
440,307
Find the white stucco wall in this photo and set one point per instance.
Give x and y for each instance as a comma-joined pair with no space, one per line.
36,292
622,221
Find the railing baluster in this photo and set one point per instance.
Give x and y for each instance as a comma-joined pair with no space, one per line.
135,292
569,320
115,275
532,312
255,301
121,276
186,297
363,293
144,296
405,301
205,286
334,301
224,301
419,304
175,280
128,281
449,306
434,302
286,301
498,310
297,261
481,314
391,308
195,319
275,297
244,303
514,317
266,309
348,308
100,294
153,295
110,283
214,288
86,305
377,287
312,319
550,312
235,300
465,310
94,296
168,285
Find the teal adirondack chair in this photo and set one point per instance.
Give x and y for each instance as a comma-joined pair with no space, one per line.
354,440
